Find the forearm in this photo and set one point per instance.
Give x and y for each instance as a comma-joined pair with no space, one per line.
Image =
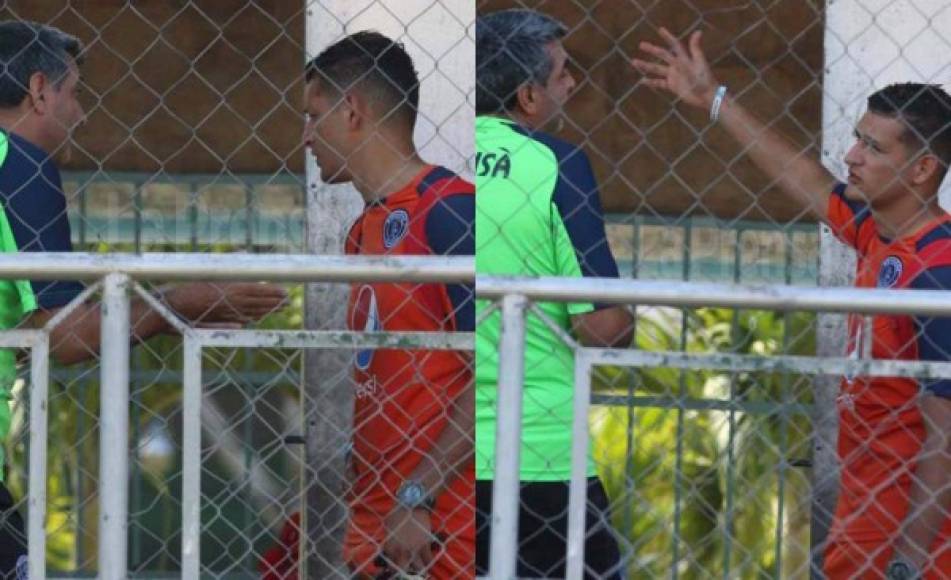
609,327
801,176
929,502
453,449
77,337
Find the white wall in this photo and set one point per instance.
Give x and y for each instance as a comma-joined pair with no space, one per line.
439,36
870,44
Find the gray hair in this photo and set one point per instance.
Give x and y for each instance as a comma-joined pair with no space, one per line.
510,51
27,48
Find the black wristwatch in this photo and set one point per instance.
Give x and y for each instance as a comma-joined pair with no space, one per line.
901,569
412,495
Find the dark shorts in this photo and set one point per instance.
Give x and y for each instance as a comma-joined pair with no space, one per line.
542,531
12,537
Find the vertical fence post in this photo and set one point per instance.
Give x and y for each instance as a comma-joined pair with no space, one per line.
191,458
328,396
508,443
39,395
578,491
114,429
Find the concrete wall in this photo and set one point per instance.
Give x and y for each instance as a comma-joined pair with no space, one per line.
436,34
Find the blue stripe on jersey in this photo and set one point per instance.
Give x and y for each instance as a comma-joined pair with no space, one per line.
450,231
860,211
433,177
940,232
578,202
934,334
32,195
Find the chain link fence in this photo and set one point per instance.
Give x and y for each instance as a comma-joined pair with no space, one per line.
191,141
706,459
709,447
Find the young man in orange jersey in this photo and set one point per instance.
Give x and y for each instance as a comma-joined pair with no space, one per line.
893,517
412,496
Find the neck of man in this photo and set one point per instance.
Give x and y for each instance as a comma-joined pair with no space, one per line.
907,214
520,119
553,124
15,121
384,166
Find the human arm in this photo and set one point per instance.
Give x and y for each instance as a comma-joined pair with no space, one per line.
77,337
409,531
929,503
930,495
607,327
582,249
684,72
449,231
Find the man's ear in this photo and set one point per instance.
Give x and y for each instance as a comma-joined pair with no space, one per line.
38,86
926,167
527,98
355,108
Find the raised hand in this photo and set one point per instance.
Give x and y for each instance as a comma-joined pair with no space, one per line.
681,71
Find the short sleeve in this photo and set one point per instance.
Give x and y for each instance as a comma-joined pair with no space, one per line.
450,231
933,334
848,217
581,244
36,213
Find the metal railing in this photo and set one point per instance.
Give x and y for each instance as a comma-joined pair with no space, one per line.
120,275
515,297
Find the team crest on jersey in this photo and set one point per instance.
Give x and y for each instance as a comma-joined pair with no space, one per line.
890,272
365,316
395,228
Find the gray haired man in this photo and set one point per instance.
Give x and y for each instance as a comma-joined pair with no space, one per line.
39,109
538,213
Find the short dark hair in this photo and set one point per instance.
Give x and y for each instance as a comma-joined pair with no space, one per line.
27,48
926,112
510,52
371,59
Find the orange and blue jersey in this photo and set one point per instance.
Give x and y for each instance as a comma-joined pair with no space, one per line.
403,397
881,430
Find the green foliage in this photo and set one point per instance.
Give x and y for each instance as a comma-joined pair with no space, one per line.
697,489
156,395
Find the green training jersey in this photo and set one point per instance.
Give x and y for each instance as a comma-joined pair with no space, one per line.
538,213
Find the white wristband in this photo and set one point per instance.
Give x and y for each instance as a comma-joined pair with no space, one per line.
717,103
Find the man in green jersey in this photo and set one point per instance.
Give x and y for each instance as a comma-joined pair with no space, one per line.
39,83
537,214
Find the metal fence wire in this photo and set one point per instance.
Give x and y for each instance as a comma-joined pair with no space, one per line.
664,385
238,452
640,139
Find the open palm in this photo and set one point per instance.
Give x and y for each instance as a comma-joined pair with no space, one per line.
682,71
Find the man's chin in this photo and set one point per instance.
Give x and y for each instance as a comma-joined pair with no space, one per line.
853,193
65,154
